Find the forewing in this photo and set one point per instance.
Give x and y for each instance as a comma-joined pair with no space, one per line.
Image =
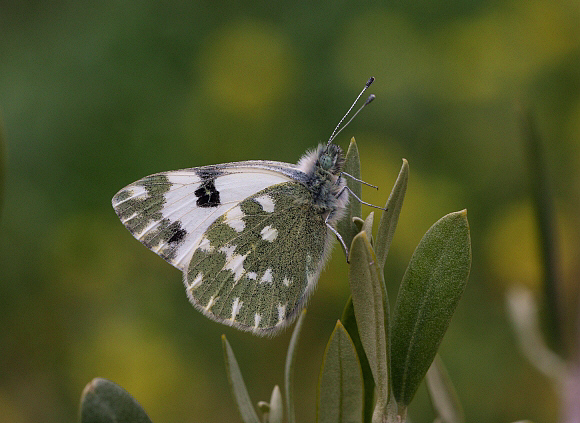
258,263
170,211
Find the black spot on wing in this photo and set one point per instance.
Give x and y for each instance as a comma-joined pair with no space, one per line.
207,195
165,238
178,235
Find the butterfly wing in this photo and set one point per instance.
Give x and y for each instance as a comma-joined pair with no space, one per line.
170,211
255,266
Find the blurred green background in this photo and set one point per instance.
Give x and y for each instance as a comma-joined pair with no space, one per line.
95,95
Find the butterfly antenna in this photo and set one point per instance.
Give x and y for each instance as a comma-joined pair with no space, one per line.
338,128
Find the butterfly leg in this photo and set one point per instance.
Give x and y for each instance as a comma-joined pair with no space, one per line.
358,199
359,180
344,247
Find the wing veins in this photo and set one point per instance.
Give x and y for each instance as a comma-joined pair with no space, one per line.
278,247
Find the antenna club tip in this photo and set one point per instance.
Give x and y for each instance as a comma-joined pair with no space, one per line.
371,98
338,128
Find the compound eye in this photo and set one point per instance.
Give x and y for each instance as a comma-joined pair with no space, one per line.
325,161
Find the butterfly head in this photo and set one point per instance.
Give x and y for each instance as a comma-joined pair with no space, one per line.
331,159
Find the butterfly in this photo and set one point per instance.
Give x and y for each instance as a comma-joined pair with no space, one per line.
251,237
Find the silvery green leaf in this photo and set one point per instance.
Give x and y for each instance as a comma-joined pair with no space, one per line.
276,414
525,317
368,301
289,368
349,322
443,396
358,222
345,227
368,226
340,387
264,408
390,217
245,407
431,288
103,401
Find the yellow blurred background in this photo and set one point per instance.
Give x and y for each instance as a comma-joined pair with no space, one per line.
94,96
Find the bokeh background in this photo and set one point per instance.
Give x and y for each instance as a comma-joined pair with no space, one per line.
95,95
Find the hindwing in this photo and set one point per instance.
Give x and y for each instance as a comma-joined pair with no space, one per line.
256,265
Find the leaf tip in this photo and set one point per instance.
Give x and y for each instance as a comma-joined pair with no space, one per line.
225,344
91,386
361,239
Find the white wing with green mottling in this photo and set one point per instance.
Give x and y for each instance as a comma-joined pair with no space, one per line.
170,211
251,238
257,265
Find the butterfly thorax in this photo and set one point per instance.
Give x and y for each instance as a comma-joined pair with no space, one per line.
323,169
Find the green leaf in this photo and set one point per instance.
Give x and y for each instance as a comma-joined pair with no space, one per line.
2,167
542,195
349,322
345,227
431,288
340,388
523,311
103,401
390,217
369,309
245,407
289,368
264,409
358,222
276,414
443,396
368,226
